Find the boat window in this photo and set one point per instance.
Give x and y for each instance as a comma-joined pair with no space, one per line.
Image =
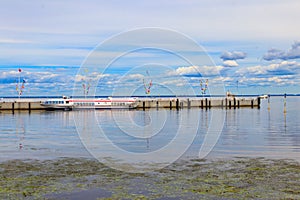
67,102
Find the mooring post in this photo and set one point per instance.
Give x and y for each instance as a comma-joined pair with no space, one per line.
238,102
258,102
209,104
206,105
269,102
226,103
284,104
252,103
202,103
29,106
234,103
156,104
229,104
170,105
188,103
143,105
177,104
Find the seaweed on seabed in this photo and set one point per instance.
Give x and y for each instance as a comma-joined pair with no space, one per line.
240,178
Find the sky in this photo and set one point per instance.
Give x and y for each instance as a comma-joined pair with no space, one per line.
120,47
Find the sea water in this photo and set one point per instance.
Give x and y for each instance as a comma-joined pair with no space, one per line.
245,132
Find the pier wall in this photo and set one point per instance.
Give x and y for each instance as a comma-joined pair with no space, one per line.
179,103
146,103
21,105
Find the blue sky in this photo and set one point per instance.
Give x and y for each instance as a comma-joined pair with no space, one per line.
245,47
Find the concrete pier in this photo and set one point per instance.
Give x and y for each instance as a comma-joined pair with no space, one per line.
204,103
21,104
146,103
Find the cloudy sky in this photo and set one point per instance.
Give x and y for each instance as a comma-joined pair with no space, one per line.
119,47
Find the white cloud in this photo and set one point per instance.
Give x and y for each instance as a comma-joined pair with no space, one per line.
175,82
292,53
230,63
197,71
282,68
235,55
94,76
133,77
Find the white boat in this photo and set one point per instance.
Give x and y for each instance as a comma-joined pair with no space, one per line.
265,96
87,103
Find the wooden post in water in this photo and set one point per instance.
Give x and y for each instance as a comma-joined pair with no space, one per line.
252,103
258,102
143,105
269,108
188,103
177,104
234,103
206,105
284,104
170,105
226,103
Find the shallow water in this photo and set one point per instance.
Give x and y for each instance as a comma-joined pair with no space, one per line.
245,132
71,178
34,147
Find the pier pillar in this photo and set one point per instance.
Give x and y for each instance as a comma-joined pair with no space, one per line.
234,103
258,102
202,103
177,104
252,103
188,103
170,105
226,103
206,105
229,104
209,104
143,105
238,103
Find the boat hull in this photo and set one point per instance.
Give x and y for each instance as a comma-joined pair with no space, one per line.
76,104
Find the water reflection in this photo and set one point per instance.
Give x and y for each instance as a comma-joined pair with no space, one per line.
267,132
20,130
246,132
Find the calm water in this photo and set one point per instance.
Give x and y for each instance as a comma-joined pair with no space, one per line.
158,133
